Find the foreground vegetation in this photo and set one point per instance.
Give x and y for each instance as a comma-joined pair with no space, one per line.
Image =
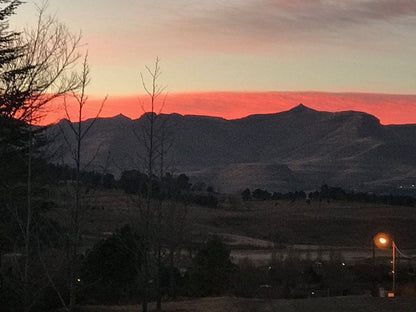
232,304
70,237
110,260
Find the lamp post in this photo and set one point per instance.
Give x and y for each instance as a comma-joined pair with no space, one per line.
393,247
383,240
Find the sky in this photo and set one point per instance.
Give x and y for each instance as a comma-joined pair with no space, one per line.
232,58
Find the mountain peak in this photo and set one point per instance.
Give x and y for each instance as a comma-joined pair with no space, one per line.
120,117
301,109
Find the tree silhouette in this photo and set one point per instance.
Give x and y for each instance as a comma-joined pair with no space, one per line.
211,269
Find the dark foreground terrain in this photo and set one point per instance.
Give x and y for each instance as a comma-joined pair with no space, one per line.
227,304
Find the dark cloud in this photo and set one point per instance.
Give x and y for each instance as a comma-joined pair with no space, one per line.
268,20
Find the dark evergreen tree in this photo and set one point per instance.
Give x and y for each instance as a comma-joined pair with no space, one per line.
12,132
246,194
211,269
110,269
11,136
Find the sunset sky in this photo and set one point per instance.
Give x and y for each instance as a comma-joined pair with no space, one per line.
251,56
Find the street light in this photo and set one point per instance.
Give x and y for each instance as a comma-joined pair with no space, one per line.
383,240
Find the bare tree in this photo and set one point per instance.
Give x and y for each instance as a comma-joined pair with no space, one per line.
77,210
162,217
44,69
149,216
40,71
50,54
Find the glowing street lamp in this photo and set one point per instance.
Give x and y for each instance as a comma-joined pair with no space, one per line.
383,240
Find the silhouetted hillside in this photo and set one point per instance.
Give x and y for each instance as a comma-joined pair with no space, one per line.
298,149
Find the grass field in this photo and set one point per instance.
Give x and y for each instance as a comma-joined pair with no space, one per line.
227,304
251,227
320,223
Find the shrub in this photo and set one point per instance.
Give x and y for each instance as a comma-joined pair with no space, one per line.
111,268
211,269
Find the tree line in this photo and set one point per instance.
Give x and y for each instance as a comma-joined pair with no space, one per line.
108,276
328,193
132,182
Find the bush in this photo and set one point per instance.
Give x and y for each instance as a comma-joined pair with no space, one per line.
211,270
110,270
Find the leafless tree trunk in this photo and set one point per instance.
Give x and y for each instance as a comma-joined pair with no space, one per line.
42,72
164,147
28,229
77,210
174,234
152,148
162,220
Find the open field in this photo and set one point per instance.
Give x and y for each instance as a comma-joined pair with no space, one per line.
252,228
320,223
262,231
227,304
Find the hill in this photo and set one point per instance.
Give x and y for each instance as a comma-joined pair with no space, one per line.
297,149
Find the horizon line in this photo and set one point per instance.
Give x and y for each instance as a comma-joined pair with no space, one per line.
390,109
239,118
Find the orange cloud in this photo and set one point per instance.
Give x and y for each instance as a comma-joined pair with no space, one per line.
390,109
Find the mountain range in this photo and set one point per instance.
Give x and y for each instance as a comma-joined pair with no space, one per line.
297,149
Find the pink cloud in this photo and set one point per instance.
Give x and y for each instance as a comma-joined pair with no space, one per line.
390,109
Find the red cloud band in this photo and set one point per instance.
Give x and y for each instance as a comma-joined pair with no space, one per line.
390,109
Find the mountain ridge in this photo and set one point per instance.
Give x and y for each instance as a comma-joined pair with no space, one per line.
350,149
